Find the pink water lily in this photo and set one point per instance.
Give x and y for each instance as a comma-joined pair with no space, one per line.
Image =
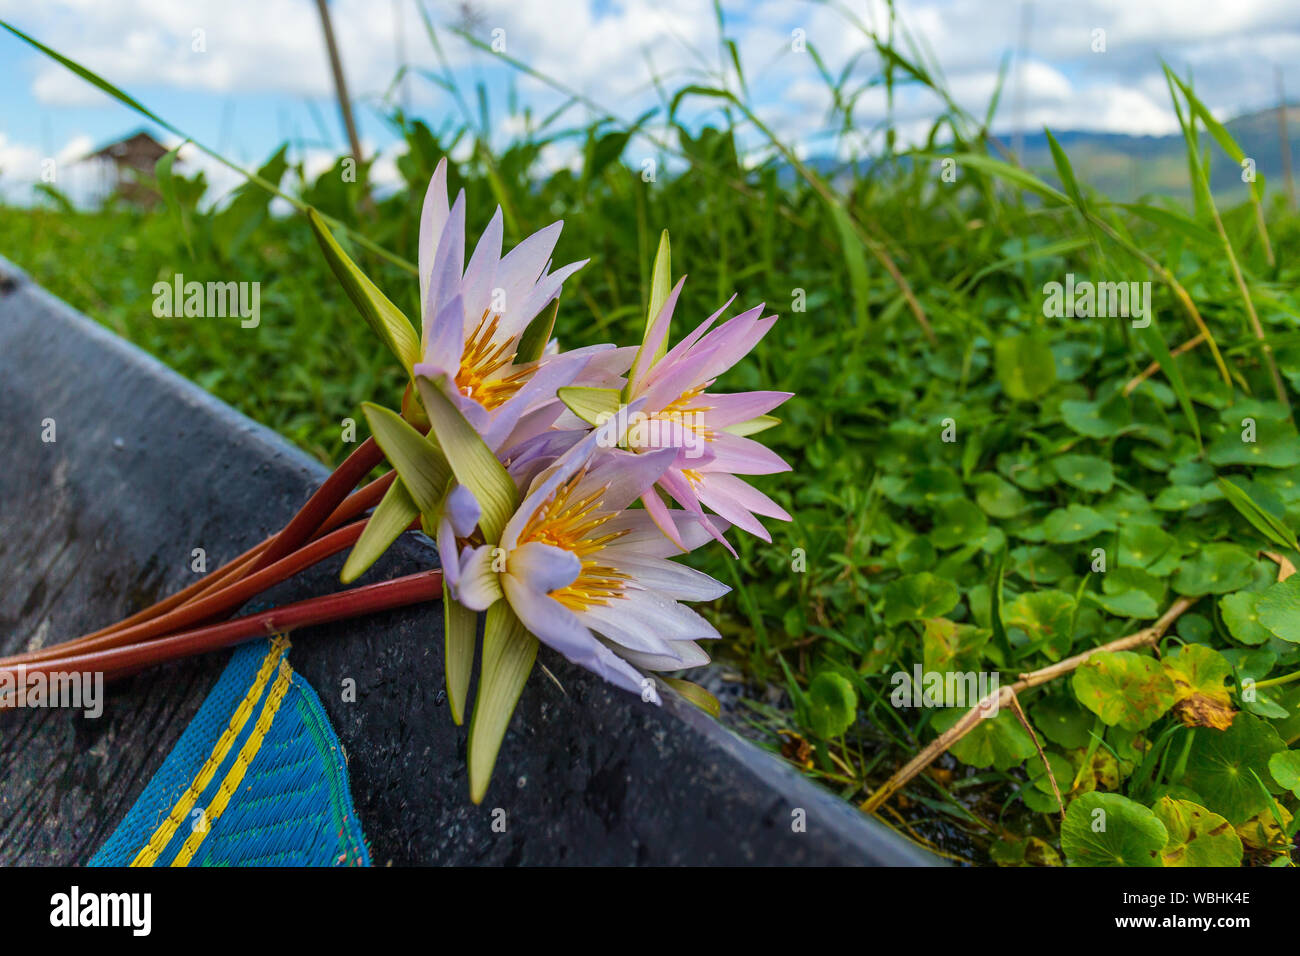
474,315
679,411
590,579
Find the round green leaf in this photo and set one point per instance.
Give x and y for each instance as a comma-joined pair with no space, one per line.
1222,765
1241,616
1085,472
1025,367
1178,498
997,496
1275,445
1024,468
1096,419
1217,568
957,522
1044,617
1141,544
1285,768
832,704
1135,604
1106,829
999,742
1038,564
917,555
917,596
1062,721
1075,523
925,489
1279,609
949,646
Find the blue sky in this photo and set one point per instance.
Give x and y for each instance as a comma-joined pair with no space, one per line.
254,73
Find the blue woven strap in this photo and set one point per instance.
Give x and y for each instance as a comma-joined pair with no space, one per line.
258,778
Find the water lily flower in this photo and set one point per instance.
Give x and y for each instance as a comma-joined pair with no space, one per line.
590,579
679,411
475,315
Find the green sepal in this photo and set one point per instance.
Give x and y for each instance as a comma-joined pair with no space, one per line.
393,515
508,655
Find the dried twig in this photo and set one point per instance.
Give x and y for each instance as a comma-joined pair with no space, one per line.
1029,729
1002,697
1154,367
1284,566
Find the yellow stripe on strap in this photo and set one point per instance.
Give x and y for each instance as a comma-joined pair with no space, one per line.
162,836
236,775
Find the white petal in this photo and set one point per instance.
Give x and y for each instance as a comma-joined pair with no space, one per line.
685,654
667,577
617,623
479,586
433,217
481,272
557,627
543,567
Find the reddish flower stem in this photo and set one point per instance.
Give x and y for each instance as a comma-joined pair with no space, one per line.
217,578
235,569
223,591
322,503
224,601
117,662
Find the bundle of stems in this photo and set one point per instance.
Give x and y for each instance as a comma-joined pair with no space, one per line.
196,619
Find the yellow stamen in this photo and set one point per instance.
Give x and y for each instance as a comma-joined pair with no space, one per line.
690,417
573,525
482,359
693,476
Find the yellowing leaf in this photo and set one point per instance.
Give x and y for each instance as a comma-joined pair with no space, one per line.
1123,688
1262,832
1197,837
1200,699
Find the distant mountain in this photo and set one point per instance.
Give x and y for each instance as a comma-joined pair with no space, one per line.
1125,167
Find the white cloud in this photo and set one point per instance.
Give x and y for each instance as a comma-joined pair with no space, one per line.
611,50
219,46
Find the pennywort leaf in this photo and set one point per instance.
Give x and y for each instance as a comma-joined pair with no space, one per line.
1107,829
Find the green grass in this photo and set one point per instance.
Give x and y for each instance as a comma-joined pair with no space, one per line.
910,307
